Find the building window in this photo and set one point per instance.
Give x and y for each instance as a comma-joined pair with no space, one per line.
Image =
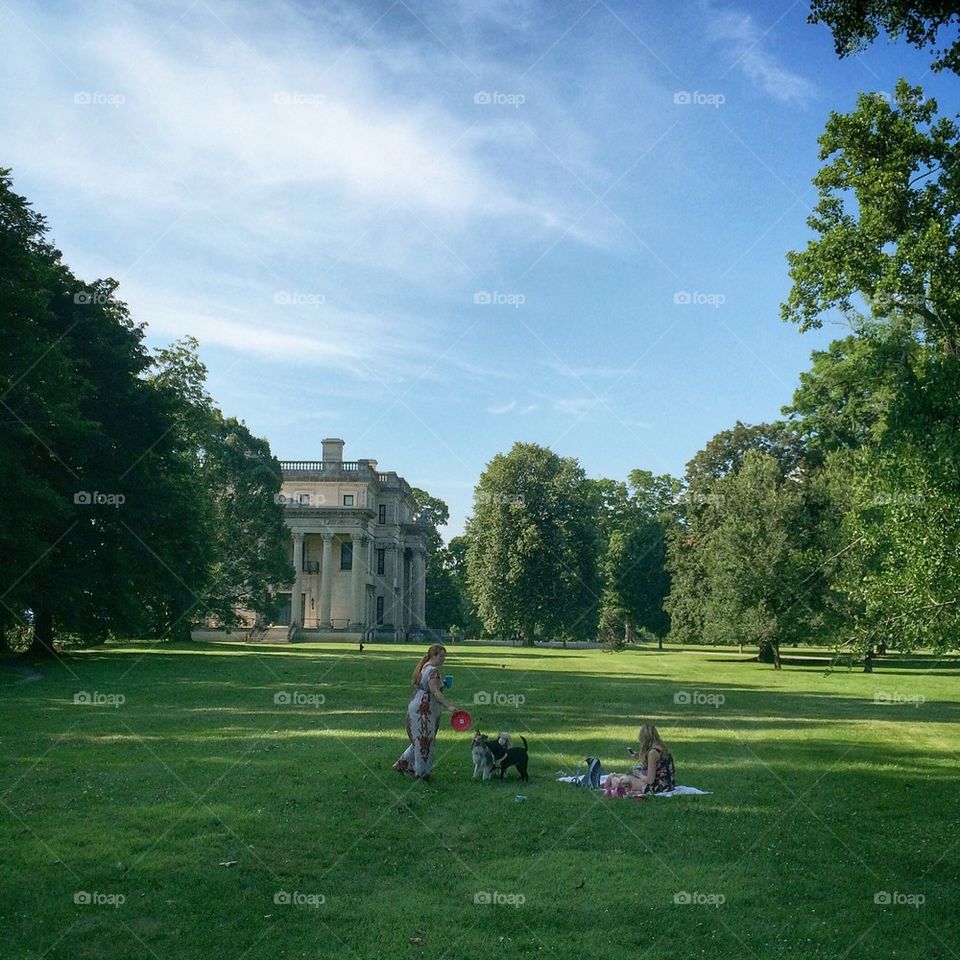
348,499
381,561
346,556
383,513
379,611
305,499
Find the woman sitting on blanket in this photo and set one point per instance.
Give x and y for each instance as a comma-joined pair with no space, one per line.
655,773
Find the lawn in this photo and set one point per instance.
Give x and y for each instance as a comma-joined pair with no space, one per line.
188,811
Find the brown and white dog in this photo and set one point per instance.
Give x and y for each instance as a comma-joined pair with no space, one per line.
487,754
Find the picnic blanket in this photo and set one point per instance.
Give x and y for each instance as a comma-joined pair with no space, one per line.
677,791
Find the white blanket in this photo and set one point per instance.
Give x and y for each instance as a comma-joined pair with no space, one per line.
677,791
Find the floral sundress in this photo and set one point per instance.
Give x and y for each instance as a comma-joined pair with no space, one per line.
423,720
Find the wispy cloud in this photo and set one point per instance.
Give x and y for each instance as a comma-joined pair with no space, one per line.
747,48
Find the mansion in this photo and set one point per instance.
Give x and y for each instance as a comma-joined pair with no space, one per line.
355,543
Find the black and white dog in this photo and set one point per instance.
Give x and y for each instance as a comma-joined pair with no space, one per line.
516,757
488,754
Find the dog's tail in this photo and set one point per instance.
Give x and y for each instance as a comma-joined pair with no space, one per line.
524,739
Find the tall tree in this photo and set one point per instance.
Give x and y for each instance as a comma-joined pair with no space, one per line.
764,518
884,410
109,449
887,219
638,581
442,601
533,553
755,559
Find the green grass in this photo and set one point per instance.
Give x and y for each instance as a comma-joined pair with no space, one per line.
821,799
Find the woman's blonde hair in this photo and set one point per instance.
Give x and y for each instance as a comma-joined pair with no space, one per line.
649,738
429,655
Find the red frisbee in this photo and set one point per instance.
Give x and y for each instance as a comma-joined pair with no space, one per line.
460,720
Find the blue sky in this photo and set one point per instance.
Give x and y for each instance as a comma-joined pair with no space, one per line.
434,229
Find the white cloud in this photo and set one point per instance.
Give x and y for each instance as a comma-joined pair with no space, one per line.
745,44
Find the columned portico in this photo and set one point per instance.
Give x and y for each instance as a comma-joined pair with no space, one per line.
359,578
295,599
418,591
326,580
357,545
393,573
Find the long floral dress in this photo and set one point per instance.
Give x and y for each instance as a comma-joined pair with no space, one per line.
423,719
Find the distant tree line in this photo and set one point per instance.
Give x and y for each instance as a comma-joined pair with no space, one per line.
838,524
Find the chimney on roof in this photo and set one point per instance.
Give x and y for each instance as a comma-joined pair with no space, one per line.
333,450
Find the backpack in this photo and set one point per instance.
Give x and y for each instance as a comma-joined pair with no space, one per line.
591,777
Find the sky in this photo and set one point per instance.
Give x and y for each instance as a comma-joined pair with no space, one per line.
434,229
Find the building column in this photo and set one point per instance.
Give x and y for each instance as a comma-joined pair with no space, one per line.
404,586
391,582
419,588
326,580
359,578
295,597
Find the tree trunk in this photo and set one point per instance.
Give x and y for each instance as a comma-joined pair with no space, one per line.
42,643
628,632
528,637
776,656
659,643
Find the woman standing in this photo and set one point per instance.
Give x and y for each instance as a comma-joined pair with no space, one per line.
423,715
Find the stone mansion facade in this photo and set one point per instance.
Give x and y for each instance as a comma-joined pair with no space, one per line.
357,548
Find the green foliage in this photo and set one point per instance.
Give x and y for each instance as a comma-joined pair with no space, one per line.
887,219
132,507
444,602
855,23
637,579
743,543
533,547
248,532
